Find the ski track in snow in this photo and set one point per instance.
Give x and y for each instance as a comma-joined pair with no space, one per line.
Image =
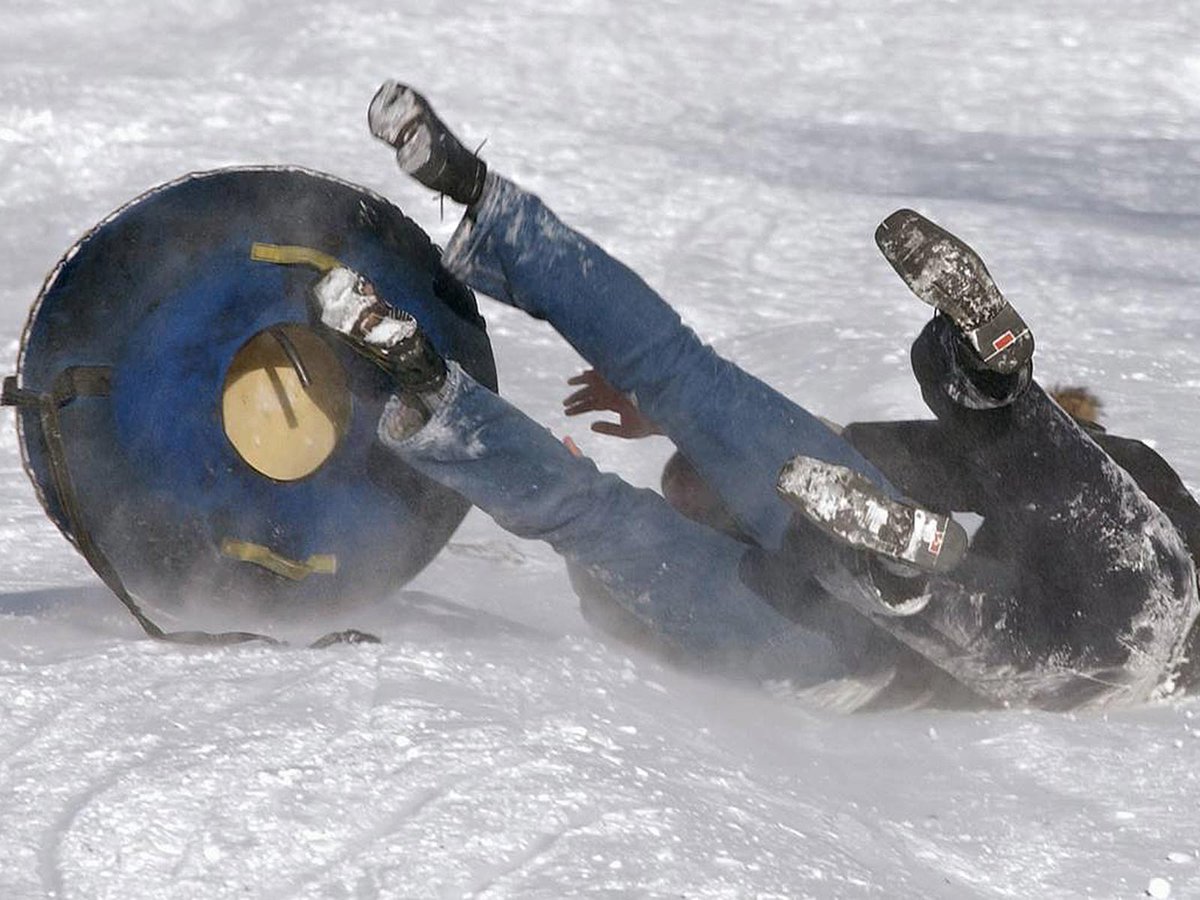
739,156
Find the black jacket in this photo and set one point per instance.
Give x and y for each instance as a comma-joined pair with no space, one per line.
888,673
911,455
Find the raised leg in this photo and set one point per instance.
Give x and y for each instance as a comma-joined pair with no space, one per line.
737,431
1104,578
1095,589
679,579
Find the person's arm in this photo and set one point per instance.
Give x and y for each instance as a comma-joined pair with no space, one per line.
597,395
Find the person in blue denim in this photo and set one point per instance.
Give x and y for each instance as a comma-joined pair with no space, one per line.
815,519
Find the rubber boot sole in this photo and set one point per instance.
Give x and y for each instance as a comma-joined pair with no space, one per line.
851,508
947,274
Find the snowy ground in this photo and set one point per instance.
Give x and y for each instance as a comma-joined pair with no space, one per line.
738,154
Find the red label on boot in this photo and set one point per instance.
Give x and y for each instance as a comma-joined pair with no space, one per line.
935,542
1003,341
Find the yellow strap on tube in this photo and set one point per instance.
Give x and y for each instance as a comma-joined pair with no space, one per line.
291,255
247,551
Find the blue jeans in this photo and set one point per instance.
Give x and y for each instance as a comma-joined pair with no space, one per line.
677,577
736,430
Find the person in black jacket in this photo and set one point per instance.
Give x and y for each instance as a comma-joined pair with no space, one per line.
1038,611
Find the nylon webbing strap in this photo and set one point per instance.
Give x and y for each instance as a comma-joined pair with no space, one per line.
292,255
96,381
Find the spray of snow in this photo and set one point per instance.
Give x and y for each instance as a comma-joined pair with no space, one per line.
495,746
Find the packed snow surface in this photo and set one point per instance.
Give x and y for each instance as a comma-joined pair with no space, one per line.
739,154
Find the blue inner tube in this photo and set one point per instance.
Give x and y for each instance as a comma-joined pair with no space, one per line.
164,293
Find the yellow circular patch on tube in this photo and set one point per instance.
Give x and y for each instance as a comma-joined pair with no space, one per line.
285,404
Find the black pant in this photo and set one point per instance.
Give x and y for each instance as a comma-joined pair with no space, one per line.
1077,587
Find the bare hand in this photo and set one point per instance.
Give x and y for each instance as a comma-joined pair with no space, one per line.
597,395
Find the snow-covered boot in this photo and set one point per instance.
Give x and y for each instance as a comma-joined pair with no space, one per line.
346,302
851,508
947,274
425,148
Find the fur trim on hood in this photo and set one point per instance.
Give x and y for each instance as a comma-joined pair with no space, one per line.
1079,402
